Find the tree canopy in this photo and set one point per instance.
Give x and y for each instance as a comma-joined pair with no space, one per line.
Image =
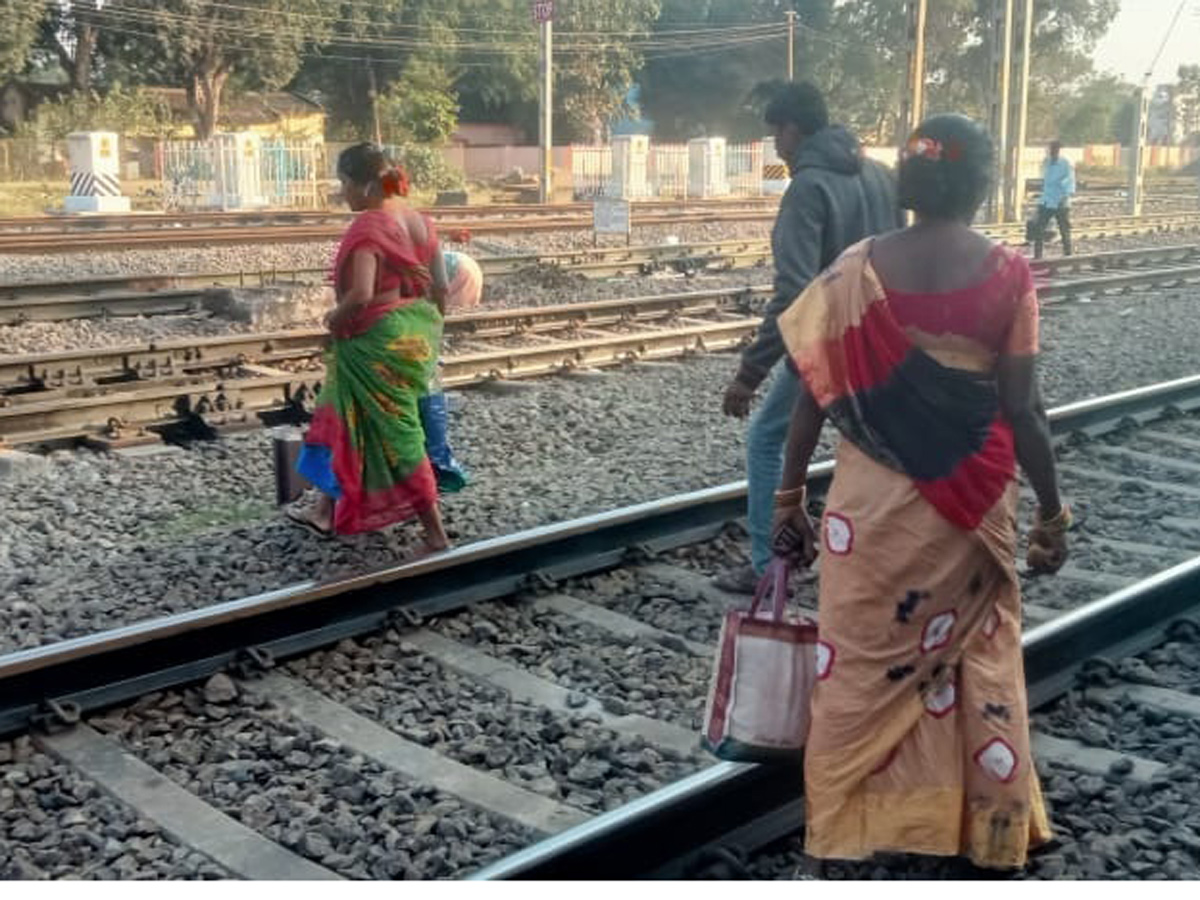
411,67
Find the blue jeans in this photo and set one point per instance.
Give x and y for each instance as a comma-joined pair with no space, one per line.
765,443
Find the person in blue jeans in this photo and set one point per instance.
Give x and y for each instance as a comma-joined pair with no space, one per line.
835,199
463,281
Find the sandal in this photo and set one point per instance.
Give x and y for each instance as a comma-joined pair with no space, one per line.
300,515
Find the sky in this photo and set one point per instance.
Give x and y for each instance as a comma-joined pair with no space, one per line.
1139,28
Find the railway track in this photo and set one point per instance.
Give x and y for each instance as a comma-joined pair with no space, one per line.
174,294
132,238
116,396
128,394
457,213
339,717
277,217
164,294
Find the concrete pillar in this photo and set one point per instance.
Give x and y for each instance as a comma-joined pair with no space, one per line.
630,157
95,174
706,168
237,171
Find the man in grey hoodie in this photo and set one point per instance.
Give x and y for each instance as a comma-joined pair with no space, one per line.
836,199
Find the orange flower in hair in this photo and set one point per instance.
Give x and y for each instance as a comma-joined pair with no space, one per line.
926,147
460,236
394,182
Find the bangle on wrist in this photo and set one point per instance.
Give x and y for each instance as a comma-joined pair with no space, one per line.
1060,522
790,498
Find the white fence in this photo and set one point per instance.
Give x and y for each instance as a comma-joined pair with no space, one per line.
666,171
242,171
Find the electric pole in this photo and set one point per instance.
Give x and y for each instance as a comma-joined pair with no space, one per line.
1137,165
1000,46
913,105
1018,118
373,93
543,14
791,44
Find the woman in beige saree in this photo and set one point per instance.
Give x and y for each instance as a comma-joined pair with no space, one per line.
920,347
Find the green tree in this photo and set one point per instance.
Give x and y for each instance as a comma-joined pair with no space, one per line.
21,25
593,73
257,42
419,107
1100,112
713,53
855,51
69,35
1188,99
126,111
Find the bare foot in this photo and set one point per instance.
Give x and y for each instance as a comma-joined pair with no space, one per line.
429,547
315,517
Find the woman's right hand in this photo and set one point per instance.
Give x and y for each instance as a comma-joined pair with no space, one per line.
793,536
1048,542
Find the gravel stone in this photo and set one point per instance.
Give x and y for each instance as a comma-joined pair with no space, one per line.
168,534
330,808
56,824
220,689
475,723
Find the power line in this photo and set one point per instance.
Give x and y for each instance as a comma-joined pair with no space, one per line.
424,27
1165,40
726,46
165,18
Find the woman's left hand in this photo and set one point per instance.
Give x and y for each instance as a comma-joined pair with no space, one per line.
334,321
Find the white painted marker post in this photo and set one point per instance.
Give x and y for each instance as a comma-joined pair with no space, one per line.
95,174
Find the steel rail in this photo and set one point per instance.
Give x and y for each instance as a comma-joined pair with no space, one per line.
116,665
225,235
126,407
26,372
101,221
158,294
665,834
148,295
269,217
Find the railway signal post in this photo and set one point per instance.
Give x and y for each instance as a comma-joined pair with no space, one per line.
1137,162
791,44
1000,23
912,107
543,16
1018,103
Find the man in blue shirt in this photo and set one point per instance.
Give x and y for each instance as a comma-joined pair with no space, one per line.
1058,186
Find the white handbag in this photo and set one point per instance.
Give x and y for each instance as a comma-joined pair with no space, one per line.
759,702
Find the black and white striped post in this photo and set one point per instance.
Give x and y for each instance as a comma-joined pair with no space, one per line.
95,173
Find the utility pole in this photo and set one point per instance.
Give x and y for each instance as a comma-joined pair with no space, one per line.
373,93
791,44
543,15
1018,117
913,105
1000,47
1137,164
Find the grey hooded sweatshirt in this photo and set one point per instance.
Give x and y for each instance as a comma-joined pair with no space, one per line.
836,198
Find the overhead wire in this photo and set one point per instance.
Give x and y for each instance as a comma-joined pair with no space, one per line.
1166,39
125,28
691,46
339,18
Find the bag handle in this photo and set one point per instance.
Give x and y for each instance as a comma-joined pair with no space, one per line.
773,582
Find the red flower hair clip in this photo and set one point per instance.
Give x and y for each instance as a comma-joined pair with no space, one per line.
394,182
933,149
460,236
926,147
